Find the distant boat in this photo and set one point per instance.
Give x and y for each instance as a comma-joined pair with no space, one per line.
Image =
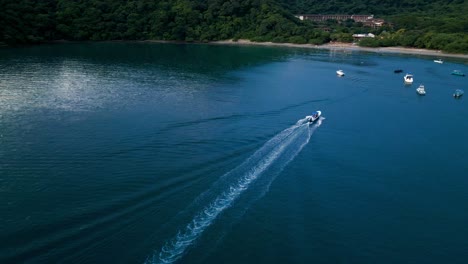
340,72
408,78
420,90
458,73
398,71
439,61
458,93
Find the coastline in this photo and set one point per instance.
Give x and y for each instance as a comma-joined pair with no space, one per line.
348,47
337,46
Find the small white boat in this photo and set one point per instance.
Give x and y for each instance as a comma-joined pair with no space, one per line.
340,72
458,93
439,61
458,73
420,90
408,78
312,118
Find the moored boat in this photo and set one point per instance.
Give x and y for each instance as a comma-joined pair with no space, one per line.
408,78
340,72
439,61
420,90
314,117
458,73
458,93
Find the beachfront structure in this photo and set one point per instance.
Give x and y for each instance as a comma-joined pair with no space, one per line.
367,20
360,36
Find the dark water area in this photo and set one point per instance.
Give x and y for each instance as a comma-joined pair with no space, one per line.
162,153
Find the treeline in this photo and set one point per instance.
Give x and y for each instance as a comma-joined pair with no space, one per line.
453,43
428,24
436,24
29,21
376,7
388,36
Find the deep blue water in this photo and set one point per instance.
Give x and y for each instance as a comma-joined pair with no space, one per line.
143,152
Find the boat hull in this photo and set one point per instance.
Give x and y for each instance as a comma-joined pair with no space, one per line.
408,78
421,90
312,118
458,73
458,93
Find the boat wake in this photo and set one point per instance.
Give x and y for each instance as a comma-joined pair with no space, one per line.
278,151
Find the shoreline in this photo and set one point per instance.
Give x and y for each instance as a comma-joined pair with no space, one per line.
337,46
348,47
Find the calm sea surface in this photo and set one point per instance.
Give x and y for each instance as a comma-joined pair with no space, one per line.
162,153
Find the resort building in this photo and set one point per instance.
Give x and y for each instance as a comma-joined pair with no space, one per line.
367,20
360,36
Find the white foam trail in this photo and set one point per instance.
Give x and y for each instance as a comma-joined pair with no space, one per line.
258,163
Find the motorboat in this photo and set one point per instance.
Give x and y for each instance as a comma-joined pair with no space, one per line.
314,117
340,72
420,90
458,93
458,73
439,61
408,78
398,71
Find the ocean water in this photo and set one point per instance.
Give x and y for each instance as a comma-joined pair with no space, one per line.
186,153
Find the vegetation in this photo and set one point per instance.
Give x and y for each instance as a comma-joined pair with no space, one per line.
26,21
376,7
437,24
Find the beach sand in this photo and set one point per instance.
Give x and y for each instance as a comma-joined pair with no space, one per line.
349,47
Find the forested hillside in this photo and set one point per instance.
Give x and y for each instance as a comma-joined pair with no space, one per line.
431,24
448,16
413,23
26,21
376,7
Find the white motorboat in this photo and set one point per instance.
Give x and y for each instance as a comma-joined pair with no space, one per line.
420,90
340,72
439,61
458,73
314,117
458,93
408,78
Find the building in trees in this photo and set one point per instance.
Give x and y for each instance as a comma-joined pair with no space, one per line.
366,20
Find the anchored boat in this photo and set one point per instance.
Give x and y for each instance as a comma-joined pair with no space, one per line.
340,72
420,90
458,73
458,93
408,78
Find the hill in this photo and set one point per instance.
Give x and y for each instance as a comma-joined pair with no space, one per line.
437,24
29,21
413,23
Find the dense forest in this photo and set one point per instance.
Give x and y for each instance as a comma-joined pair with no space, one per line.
413,23
376,7
26,21
431,24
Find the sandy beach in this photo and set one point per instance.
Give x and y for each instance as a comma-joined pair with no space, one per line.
349,47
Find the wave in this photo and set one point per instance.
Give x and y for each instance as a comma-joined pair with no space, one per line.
250,170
